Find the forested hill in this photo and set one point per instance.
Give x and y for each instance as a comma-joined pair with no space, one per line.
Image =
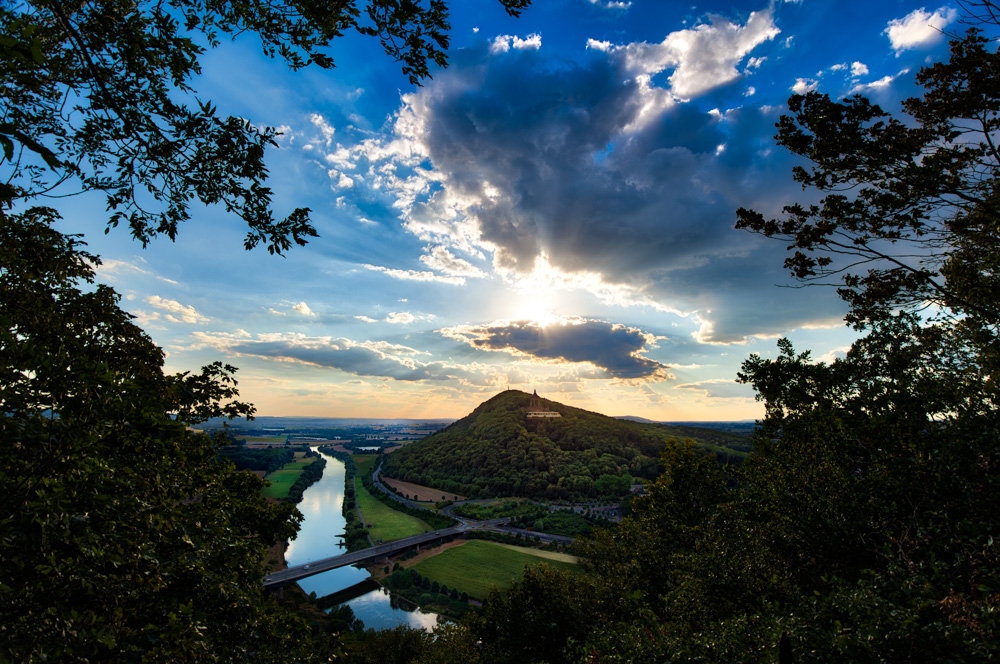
497,450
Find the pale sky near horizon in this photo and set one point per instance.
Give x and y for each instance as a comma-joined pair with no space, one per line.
553,211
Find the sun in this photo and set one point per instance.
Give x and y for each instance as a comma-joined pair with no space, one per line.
534,306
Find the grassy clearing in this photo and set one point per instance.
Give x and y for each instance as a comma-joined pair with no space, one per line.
476,566
365,463
387,524
281,482
283,479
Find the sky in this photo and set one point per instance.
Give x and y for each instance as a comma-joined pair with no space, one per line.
554,211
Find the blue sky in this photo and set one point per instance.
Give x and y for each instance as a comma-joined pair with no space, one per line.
553,211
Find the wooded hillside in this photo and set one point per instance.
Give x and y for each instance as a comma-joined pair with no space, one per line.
497,450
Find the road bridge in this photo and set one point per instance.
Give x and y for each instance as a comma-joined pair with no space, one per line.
292,574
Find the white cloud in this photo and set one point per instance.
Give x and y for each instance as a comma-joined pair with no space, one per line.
704,57
876,86
400,318
859,69
503,43
611,4
320,122
838,353
804,85
303,309
175,311
342,158
111,268
415,275
442,260
366,319
919,29
533,41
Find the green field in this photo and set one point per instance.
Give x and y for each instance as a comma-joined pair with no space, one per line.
282,480
365,463
387,524
476,566
265,439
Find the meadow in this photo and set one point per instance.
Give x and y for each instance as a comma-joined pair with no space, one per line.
282,480
387,524
476,566
365,463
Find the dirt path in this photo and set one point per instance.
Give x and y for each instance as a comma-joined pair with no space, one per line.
551,555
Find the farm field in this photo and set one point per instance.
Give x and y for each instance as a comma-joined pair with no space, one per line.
476,566
387,524
365,463
420,493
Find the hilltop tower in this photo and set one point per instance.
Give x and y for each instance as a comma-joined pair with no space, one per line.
537,407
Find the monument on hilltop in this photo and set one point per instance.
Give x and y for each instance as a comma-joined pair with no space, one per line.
537,407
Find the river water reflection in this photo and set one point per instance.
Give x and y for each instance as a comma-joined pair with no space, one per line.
323,521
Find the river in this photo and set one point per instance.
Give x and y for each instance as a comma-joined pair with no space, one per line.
321,507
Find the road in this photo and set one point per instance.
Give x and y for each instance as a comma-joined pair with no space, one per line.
292,574
286,576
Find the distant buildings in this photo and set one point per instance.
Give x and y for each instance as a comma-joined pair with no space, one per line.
537,408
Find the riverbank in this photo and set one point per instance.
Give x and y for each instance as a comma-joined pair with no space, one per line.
319,537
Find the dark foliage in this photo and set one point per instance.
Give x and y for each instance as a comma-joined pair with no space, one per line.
268,460
124,536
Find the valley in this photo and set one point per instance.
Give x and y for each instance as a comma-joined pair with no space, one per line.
371,500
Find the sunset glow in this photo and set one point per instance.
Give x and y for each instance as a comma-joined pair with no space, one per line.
553,211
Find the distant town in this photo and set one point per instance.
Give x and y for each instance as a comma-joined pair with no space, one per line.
375,435
372,436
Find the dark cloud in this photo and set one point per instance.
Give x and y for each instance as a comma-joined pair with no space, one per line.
585,179
601,170
613,347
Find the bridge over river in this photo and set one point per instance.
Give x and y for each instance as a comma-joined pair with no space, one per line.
292,574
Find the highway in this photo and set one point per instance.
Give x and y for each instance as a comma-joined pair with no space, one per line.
286,576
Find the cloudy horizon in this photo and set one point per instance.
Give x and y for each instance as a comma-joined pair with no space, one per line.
553,211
